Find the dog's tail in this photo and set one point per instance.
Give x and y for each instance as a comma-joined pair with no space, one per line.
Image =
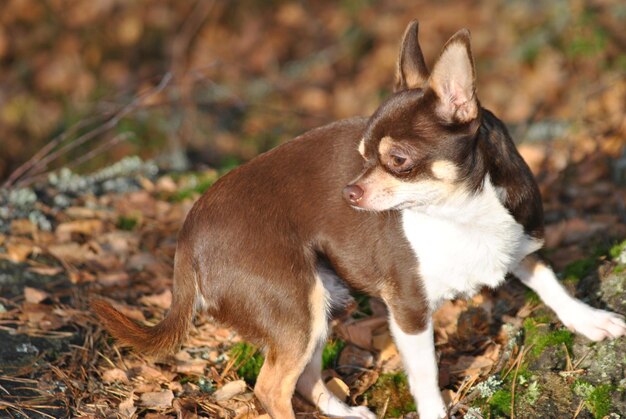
168,335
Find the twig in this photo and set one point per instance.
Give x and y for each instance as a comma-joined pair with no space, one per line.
89,155
579,409
36,167
385,406
45,150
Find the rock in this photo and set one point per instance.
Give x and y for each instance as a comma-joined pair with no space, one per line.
18,350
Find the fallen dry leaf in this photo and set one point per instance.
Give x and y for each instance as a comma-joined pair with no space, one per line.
352,356
163,300
46,270
72,252
383,342
230,390
471,365
18,250
193,366
109,279
22,226
360,332
157,399
127,408
115,374
34,295
65,230
153,374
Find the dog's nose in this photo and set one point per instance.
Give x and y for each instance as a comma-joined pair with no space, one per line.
352,193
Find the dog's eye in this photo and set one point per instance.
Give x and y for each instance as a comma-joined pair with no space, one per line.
399,163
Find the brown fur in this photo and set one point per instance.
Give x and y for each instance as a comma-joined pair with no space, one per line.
166,336
249,250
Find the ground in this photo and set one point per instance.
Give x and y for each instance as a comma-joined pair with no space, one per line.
196,88
502,353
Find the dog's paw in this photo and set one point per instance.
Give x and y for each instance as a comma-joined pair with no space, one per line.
433,410
593,323
360,412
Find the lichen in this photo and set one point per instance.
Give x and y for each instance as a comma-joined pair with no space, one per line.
473,413
489,387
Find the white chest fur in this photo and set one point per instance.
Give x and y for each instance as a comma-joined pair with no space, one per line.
464,243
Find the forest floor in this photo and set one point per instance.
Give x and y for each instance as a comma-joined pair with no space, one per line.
244,79
502,353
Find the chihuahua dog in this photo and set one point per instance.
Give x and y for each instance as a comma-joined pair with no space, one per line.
426,200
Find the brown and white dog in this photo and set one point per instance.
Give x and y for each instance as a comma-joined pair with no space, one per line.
426,200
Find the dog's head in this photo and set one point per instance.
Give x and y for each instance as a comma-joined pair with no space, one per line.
418,144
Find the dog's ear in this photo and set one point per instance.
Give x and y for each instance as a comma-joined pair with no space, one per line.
453,79
411,70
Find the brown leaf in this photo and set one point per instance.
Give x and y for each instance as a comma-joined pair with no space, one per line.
157,399
34,295
82,212
72,252
166,184
127,408
115,374
109,279
360,333
85,227
193,366
22,227
46,270
18,250
230,390
163,300
351,356
471,365
383,342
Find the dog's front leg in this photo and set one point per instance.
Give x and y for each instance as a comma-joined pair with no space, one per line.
593,323
420,362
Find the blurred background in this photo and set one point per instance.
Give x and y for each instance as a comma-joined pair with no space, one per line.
248,75
115,115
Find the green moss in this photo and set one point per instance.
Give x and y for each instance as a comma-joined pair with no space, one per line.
600,400
538,334
531,296
248,361
617,250
597,398
500,403
391,390
198,189
331,352
126,223
579,269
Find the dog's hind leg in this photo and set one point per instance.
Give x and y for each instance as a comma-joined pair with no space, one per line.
333,296
277,380
290,354
311,386
591,322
